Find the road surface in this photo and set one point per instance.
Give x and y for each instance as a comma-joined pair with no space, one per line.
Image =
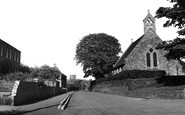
92,103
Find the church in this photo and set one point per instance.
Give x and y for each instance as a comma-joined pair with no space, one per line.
143,55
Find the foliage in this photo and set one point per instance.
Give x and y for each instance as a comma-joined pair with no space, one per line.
42,73
5,101
6,86
46,72
172,80
133,74
176,17
16,76
77,85
97,53
23,68
175,48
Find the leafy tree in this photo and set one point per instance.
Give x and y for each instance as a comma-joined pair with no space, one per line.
23,68
46,72
176,17
97,53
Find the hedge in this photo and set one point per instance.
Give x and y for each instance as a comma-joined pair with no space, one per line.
133,74
172,80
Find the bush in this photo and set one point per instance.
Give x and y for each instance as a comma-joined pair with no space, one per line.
172,80
5,101
16,76
133,74
6,86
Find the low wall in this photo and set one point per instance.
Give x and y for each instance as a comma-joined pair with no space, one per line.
29,92
140,88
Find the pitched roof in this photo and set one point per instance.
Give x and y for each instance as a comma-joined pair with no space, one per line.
121,60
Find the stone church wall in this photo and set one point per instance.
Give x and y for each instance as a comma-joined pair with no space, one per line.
137,57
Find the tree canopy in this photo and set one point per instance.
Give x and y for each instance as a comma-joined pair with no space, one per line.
46,72
97,53
175,17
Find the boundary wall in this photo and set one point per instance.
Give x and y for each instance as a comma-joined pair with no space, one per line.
29,92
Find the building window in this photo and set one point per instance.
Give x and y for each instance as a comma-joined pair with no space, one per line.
7,53
10,54
15,57
155,59
151,58
148,59
1,50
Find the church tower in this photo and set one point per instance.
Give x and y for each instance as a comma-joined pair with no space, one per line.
149,23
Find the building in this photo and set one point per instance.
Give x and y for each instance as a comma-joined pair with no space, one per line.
9,58
143,55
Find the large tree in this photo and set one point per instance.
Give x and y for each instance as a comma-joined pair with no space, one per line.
97,53
176,17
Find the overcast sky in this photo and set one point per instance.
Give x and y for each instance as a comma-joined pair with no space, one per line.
47,31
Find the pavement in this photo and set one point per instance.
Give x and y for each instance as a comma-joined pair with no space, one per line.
54,101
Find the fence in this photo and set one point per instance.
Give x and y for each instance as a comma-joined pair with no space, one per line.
29,92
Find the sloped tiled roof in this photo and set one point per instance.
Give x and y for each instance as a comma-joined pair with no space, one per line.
121,60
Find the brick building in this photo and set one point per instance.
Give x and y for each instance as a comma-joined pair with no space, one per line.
142,54
9,58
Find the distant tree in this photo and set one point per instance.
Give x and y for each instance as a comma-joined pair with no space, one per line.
23,68
97,53
46,72
175,49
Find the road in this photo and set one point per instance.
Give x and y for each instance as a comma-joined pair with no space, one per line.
92,103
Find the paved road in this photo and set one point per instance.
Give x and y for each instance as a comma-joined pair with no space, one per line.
91,103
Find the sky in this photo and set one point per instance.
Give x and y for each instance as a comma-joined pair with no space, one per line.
47,31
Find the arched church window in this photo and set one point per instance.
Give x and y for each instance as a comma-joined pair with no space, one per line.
155,59
148,59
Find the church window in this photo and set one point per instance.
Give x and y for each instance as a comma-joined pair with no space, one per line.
155,59
151,50
148,59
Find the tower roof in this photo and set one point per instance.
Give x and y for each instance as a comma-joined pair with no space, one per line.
149,16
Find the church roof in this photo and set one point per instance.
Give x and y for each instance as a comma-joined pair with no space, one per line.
121,60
